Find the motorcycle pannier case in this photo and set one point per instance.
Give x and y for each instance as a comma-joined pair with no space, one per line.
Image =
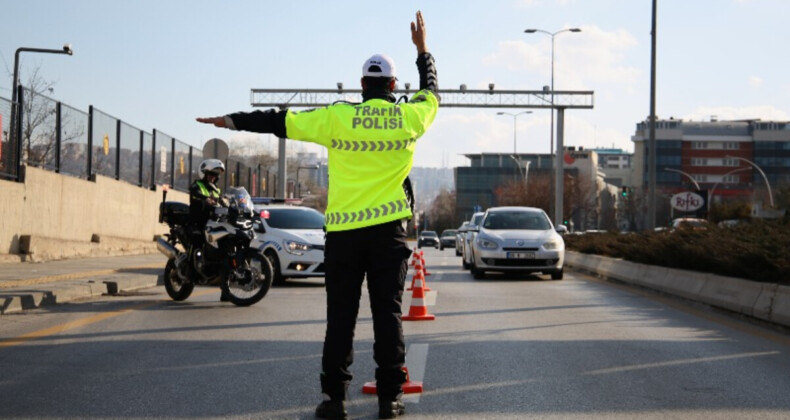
174,213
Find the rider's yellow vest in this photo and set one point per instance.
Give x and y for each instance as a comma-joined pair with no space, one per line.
370,152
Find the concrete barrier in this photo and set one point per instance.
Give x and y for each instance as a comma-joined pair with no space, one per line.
57,216
731,293
769,302
780,306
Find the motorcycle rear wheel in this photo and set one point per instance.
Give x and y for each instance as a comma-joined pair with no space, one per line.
177,289
242,293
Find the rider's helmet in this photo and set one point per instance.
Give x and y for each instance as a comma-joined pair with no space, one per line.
212,167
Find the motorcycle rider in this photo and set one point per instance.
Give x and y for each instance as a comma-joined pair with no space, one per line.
204,197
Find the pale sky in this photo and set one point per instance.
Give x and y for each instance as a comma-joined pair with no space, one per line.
159,64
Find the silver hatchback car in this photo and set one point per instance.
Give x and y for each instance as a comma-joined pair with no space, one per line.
517,239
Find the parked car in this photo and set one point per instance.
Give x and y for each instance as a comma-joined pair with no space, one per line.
428,238
447,240
291,237
459,239
517,239
689,223
469,235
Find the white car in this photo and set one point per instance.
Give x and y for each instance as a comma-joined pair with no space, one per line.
468,237
517,239
292,238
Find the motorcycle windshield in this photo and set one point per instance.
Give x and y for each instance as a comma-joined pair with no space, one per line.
241,198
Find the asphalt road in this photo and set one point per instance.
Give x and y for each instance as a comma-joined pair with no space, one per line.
501,348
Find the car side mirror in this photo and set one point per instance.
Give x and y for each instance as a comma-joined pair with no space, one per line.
561,229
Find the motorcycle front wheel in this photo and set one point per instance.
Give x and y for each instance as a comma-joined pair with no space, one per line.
176,288
255,283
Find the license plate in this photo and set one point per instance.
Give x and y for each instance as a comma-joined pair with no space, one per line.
521,255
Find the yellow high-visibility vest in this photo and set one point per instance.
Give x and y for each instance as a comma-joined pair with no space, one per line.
370,152
212,193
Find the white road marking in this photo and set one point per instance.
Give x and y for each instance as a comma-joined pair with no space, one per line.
416,359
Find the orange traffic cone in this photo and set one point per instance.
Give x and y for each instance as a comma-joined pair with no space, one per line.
414,258
419,271
409,387
418,310
424,267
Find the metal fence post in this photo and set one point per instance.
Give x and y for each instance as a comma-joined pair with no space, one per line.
18,127
58,135
117,149
190,165
90,142
140,164
173,162
238,173
153,161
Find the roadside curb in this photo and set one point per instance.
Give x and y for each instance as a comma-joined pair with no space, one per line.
765,301
53,290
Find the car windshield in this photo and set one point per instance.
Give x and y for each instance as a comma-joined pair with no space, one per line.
528,220
476,220
293,218
448,233
429,233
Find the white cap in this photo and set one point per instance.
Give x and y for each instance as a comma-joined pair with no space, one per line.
379,65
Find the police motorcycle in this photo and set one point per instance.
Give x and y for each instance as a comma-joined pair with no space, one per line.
225,259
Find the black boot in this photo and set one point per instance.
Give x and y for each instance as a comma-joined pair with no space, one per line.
389,409
332,410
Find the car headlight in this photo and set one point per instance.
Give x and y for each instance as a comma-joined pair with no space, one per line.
486,244
296,248
551,245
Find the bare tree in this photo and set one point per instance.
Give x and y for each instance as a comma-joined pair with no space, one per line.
442,213
534,194
38,121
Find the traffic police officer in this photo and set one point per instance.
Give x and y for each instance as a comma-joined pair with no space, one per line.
370,152
204,196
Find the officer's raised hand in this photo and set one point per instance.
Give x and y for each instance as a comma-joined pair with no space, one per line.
418,34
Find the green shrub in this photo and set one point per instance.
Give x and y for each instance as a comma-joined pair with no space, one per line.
758,250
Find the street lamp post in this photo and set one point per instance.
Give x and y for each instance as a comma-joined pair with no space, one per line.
770,194
298,185
16,126
515,154
713,189
552,35
696,184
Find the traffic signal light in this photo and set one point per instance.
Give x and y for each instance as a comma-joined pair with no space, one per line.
624,192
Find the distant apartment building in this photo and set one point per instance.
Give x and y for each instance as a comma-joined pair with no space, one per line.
615,165
715,155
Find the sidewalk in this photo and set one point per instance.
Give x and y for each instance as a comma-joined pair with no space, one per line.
26,285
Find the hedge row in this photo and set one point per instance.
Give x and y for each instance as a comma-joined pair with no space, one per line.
758,250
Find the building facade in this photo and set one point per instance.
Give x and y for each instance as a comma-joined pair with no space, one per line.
728,160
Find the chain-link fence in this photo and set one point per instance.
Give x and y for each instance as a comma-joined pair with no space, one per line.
63,139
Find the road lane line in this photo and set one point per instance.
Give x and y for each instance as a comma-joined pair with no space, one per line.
416,359
57,329
679,362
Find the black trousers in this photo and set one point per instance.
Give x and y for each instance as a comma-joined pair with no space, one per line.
379,253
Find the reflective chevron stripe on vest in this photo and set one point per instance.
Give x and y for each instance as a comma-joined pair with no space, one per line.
393,207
